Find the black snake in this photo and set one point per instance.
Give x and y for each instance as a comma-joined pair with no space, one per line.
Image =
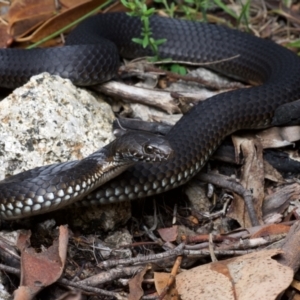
200,131
51,187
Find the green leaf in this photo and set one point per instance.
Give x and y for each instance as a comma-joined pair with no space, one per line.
160,41
125,3
145,42
178,69
138,41
131,14
244,13
295,44
150,12
225,8
154,48
287,3
144,8
146,23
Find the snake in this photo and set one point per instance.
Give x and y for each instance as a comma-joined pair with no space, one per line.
51,187
92,55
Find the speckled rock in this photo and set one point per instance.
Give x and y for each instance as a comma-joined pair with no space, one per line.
49,120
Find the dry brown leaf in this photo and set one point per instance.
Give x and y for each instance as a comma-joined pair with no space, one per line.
46,17
280,199
271,173
67,4
253,231
168,234
5,38
24,15
252,178
39,270
61,20
296,284
276,137
135,285
248,277
161,280
70,12
269,230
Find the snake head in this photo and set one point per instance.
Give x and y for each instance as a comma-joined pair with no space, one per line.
141,146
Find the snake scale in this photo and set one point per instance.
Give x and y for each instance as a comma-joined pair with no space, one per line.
92,56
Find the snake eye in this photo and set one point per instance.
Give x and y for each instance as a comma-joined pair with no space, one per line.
149,149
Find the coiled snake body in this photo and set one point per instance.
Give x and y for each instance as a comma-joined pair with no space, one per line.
200,131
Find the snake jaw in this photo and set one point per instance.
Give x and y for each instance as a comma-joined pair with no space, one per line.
139,147
158,156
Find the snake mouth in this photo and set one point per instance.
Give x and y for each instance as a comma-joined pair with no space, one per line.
140,147
137,157
157,158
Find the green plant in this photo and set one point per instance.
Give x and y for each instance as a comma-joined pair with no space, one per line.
191,8
244,15
139,9
287,3
170,9
295,44
177,68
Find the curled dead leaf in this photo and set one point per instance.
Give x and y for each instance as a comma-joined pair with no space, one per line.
39,270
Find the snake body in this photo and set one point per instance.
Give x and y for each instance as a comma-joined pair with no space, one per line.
51,187
201,130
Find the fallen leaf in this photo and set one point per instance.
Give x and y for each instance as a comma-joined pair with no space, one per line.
161,281
5,38
280,199
296,285
135,285
276,137
39,270
269,230
61,20
248,277
271,173
24,15
252,178
168,234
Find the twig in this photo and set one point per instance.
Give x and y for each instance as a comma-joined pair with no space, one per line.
79,285
144,259
172,277
187,78
92,289
110,275
160,99
237,188
204,253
